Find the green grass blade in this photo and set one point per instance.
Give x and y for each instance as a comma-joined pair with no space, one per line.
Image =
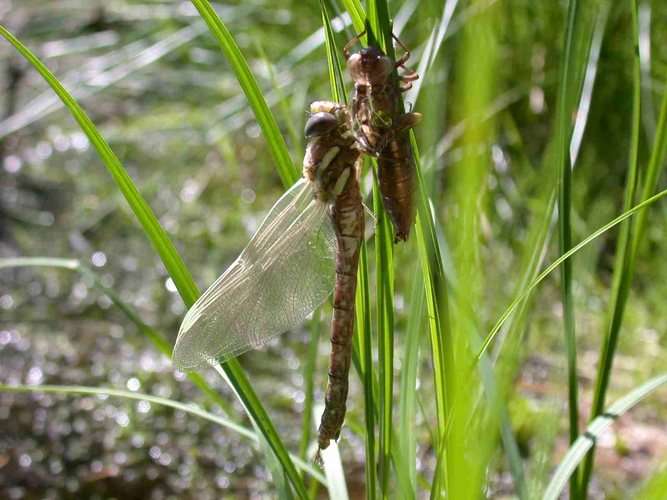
380,29
407,405
170,403
437,303
336,79
623,266
365,343
385,329
594,430
167,252
310,367
564,128
357,14
286,169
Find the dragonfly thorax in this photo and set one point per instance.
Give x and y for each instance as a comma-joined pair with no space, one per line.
331,154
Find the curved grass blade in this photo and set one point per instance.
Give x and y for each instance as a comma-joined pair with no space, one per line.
503,317
167,252
594,430
170,403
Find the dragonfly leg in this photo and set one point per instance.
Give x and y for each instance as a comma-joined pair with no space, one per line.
407,121
405,56
405,88
348,45
408,77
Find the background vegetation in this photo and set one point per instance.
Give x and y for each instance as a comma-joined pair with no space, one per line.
527,106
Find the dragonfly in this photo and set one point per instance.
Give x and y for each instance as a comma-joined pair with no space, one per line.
382,130
307,246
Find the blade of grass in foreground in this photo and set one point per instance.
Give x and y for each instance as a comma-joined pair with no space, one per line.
564,131
594,430
168,254
170,403
407,405
623,265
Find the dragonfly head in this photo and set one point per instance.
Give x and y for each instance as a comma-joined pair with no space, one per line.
325,117
320,124
370,66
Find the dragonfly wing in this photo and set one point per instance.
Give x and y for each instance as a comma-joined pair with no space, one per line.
285,272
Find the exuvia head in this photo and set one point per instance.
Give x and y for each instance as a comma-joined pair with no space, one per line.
370,66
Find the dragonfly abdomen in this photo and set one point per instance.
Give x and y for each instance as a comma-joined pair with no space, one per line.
396,176
331,164
348,218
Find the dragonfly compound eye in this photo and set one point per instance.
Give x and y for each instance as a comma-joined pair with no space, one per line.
320,124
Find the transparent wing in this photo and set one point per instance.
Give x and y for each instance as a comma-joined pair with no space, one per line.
285,272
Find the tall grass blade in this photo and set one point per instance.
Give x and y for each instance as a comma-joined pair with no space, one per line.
623,266
167,252
565,108
380,30
594,430
465,472
407,405
310,367
365,343
357,14
336,79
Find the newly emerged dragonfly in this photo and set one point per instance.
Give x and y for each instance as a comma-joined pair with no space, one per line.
307,246
382,130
